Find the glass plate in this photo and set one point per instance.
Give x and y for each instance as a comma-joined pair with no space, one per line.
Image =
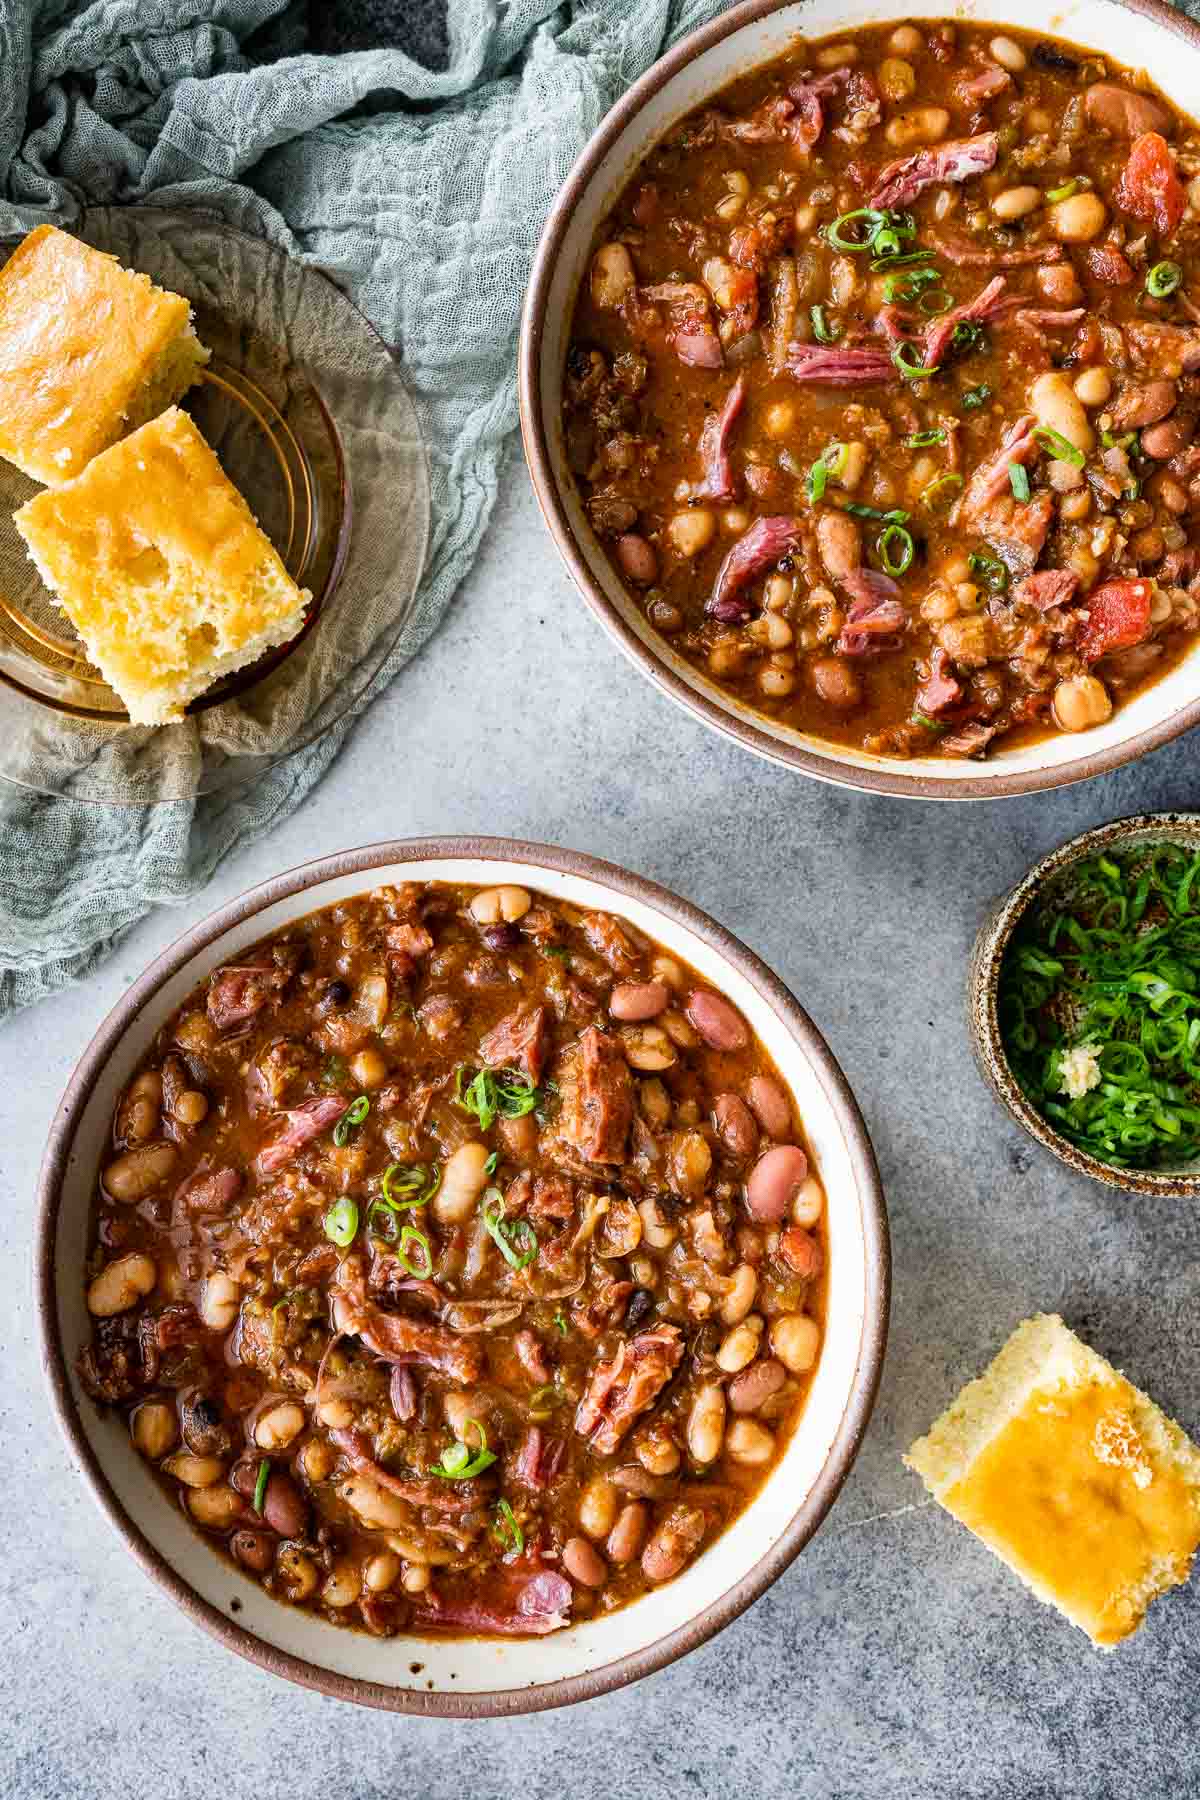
306,408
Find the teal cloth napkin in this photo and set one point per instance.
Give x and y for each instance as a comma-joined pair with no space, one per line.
421,194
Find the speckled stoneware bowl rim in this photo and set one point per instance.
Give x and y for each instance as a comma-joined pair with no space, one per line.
878,777
983,986
862,1385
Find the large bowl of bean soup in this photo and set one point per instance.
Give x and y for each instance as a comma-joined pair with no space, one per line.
860,376
463,1275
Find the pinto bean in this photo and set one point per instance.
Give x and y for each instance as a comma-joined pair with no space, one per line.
1121,112
658,1453
1167,439
735,1126
627,1536
284,1507
719,1023
584,1563
136,1174
673,1544
756,1385
774,1181
634,1002
637,558
1144,403
121,1285
463,1180
253,1549
836,683
839,542
770,1105
800,1251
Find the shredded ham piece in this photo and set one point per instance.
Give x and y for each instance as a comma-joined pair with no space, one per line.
901,181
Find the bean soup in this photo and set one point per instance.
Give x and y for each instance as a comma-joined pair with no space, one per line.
883,387
458,1264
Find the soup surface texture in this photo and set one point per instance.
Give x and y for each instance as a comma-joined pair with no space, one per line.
458,1265
882,389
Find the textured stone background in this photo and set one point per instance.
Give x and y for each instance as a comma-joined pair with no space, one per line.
896,1657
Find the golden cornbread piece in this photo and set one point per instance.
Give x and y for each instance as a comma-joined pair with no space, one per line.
1072,1476
161,567
88,351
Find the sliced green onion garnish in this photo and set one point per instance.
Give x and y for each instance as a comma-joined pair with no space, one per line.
872,224
966,335
920,440
1118,443
1099,1006
560,1320
492,1163
506,1530
990,570
1064,192
941,489
458,1463
410,1184
895,549
260,1485
897,516
492,1092
822,330
886,243
836,457
341,1222
936,301
906,288
515,1239
354,1115
901,262
976,396
1058,446
1163,279
411,1239
910,371
818,475
1018,480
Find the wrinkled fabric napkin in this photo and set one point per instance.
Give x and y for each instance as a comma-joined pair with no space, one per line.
421,194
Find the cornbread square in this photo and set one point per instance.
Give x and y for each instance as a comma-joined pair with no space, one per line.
88,351
161,567
1072,1476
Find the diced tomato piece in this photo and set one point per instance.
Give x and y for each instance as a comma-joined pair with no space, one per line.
1149,188
1118,617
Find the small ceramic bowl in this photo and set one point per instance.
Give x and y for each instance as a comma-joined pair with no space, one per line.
1142,34
984,979
476,1676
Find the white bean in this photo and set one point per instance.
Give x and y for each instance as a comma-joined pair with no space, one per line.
121,1285
1008,54
463,1180
612,276
1059,408
795,1340
276,1429
500,905
1017,202
740,1345
1078,219
706,1424
921,125
220,1301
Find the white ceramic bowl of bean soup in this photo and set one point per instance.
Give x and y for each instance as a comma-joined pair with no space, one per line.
1139,34
478,1676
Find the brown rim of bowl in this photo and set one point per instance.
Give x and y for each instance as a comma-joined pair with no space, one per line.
877,1259
983,983
880,780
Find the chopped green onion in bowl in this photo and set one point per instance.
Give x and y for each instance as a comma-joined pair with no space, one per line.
1163,280
1098,1003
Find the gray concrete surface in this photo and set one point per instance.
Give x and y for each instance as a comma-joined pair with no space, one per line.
896,1658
